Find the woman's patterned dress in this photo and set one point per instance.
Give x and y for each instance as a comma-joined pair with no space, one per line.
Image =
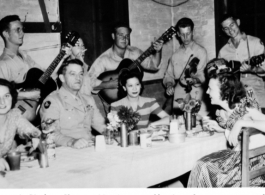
223,168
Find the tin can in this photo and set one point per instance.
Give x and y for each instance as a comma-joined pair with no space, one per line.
124,135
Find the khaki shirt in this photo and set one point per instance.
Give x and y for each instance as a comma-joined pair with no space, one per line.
176,66
109,60
74,116
13,67
256,47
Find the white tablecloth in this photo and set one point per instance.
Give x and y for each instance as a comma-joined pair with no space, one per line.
117,167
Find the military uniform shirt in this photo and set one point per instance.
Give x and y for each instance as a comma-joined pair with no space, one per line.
75,116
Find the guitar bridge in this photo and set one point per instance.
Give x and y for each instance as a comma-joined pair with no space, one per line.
22,109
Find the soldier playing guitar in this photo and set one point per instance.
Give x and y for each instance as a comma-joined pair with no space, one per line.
15,64
248,50
111,58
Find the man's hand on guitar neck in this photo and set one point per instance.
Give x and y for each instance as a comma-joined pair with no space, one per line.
111,84
30,95
170,89
158,45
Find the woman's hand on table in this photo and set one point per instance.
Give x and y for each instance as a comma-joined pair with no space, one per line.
4,165
152,127
212,125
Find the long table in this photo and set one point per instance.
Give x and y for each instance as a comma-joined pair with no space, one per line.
117,167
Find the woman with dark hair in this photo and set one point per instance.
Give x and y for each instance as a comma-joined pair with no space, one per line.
223,168
12,122
132,84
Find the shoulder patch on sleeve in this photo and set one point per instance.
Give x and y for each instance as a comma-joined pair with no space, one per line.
47,104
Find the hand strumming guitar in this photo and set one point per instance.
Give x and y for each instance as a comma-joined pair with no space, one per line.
29,95
170,89
111,84
245,67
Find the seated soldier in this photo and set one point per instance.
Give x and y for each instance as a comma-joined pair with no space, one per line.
74,113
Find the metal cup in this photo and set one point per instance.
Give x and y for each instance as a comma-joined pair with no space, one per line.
13,159
133,138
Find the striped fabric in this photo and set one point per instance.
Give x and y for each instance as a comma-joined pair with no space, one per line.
146,107
223,168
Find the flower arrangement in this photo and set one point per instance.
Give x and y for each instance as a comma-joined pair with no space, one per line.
114,121
189,104
124,115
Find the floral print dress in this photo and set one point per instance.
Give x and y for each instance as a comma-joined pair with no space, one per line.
223,168
15,124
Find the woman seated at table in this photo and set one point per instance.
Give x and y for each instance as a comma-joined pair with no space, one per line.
223,168
12,123
132,84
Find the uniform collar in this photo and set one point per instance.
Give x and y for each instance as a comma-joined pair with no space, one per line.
243,37
10,53
75,101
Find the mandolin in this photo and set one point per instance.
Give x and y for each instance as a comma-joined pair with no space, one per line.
112,95
255,61
36,79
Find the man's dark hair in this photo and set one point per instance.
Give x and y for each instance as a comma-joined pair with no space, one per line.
63,67
121,24
185,22
4,23
12,90
226,16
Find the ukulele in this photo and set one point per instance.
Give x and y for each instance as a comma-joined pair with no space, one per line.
36,79
112,95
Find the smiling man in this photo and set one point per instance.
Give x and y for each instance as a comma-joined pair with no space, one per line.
15,63
241,47
73,112
175,79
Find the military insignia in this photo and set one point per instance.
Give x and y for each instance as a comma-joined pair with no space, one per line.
89,107
47,104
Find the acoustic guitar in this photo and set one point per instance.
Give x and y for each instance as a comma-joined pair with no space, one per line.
36,79
112,95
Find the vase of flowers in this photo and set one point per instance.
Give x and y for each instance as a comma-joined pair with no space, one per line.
124,119
112,127
48,136
191,107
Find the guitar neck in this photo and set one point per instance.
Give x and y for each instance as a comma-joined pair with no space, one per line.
144,55
46,75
